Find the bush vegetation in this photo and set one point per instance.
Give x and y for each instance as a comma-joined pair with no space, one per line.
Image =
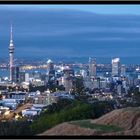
76,110
63,111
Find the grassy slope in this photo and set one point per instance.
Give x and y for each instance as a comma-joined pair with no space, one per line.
100,127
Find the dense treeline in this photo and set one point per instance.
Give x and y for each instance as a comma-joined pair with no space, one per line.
17,128
65,110
74,111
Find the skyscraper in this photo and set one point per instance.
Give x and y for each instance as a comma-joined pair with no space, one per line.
27,77
68,78
11,53
123,70
15,74
92,67
51,71
116,67
22,76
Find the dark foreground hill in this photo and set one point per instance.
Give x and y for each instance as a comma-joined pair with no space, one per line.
124,121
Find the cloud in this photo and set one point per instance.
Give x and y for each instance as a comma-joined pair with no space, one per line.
113,39
81,30
56,33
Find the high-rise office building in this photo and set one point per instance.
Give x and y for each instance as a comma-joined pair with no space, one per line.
15,74
83,73
123,70
92,67
67,79
116,67
11,54
51,71
27,77
22,76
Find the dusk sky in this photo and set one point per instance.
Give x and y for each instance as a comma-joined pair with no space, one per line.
71,30
102,9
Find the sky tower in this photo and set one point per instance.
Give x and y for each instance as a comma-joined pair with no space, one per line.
11,53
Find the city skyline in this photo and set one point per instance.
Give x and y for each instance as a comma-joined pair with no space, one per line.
70,71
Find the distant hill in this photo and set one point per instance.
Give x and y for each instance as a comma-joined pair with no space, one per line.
124,121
